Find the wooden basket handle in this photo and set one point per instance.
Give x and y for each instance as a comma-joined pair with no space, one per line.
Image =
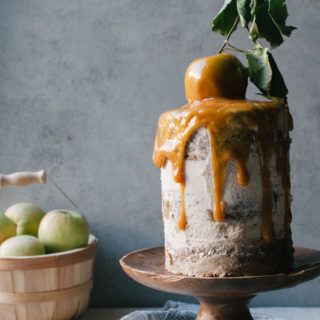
22,179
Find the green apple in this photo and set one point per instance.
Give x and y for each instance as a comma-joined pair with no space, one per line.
26,216
23,245
62,230
7,228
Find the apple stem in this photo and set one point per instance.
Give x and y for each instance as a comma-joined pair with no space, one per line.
229,34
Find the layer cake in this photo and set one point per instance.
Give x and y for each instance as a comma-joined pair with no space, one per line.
225,177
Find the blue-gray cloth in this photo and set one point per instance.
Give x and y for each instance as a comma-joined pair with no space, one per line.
171,310
174,310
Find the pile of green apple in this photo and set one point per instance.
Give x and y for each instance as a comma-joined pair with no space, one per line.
26,230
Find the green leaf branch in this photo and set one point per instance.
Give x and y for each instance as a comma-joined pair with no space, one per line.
264,19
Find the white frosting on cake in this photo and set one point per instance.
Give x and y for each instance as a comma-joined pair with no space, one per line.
207,247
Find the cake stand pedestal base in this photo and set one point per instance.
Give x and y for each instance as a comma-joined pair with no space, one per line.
221,298
224,308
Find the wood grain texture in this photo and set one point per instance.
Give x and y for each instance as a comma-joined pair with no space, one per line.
22,179
55,286
46,261
223,298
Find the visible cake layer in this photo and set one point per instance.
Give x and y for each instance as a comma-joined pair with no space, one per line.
217,260
240,244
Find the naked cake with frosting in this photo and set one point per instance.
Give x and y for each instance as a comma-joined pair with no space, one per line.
225,176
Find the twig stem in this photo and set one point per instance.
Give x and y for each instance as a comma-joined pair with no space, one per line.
229,34
234,48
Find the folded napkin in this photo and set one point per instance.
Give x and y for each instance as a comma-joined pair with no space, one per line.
174,310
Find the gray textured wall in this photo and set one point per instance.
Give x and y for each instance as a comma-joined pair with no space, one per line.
82,83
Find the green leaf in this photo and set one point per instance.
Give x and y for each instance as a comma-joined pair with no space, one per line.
244,9
286,30
226,17
263,25
260,71
279,13
278,87
265,74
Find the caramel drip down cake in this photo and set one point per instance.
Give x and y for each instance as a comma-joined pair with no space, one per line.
225,178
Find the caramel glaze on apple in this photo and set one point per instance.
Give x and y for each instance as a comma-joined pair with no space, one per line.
232,126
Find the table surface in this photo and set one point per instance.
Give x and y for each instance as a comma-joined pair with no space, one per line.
287,313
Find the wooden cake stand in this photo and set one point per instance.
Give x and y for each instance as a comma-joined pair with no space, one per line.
224,298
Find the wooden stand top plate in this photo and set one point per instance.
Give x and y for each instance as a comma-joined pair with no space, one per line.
222,298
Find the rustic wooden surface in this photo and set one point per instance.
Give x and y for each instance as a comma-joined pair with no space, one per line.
220,298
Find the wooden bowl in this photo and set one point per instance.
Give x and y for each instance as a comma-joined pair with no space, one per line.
53,286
